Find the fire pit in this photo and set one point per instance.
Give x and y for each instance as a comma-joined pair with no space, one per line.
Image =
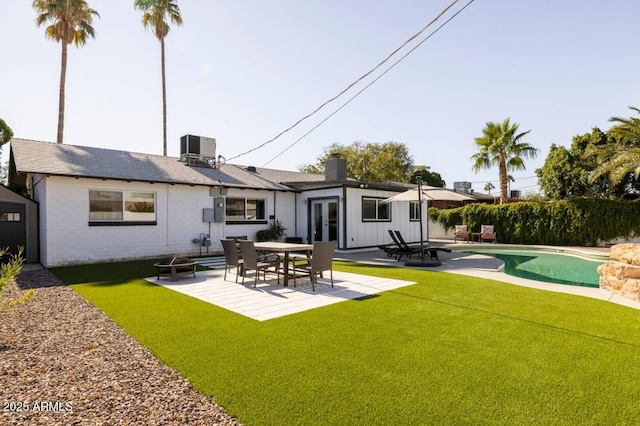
174,266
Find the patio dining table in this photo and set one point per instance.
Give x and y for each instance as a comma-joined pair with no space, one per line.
286,248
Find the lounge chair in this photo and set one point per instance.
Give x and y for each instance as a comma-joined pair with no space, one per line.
487,233
462,232
253,262
431,251
404,248
393,247
321,260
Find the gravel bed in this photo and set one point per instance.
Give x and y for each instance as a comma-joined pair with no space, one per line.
64,362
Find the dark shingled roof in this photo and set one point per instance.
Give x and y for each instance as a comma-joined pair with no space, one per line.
70,160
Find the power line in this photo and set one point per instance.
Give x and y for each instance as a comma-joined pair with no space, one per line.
352,84
498,180
372,82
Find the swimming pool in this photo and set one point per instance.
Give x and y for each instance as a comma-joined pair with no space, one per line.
550,267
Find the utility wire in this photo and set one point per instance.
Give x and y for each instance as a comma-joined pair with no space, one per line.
374,80
352,84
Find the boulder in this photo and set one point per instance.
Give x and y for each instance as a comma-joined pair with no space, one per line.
621,275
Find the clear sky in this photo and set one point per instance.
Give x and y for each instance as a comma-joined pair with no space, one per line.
242,71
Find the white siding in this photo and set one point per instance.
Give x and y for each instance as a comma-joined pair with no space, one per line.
371,234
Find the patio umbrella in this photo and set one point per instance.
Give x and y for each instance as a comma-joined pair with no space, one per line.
426,192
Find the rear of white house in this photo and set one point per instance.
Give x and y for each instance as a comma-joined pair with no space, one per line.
98,205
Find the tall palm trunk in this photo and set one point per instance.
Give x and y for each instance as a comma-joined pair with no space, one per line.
164,101
63,76
503,180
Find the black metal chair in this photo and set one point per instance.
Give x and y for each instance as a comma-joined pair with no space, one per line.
231,257
321,260
253,262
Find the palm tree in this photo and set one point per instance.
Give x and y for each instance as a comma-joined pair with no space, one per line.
500,144
623,157
70,22
156,14
488,187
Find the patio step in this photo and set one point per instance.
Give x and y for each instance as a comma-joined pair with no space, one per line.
211,262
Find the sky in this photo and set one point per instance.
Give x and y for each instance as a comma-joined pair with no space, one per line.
243,71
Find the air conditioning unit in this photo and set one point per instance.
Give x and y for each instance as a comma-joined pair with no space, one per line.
462,187
515,193
197,149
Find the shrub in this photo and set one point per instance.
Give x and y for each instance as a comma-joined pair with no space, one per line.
9,270
582,221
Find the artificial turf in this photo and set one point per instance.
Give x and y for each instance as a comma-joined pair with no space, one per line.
448,350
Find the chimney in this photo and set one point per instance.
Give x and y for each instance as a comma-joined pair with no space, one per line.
335,168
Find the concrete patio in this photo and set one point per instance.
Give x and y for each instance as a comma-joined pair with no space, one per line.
271,300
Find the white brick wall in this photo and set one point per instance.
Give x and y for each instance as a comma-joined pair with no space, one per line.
67,238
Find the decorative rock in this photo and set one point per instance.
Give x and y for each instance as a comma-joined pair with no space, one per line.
73,365
621,275
626,253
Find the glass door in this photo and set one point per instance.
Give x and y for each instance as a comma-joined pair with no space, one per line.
324,220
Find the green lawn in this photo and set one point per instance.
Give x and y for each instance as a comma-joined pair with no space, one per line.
448,350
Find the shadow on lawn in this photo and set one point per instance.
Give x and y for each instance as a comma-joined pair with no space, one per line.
523,320
106,274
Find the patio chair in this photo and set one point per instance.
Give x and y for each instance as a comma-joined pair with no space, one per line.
462,232
321,260
253,262
487,233
231,257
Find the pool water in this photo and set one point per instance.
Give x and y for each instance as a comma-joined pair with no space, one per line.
548,267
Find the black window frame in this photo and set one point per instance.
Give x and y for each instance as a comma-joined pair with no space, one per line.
378,206
124,201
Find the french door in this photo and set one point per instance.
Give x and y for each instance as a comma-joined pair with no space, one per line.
324,220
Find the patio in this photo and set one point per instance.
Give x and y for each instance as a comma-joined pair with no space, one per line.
271,300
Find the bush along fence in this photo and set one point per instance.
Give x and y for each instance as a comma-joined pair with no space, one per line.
579,222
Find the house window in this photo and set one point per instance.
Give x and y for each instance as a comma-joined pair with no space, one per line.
414,211
374,210
246,209
122,207
9,217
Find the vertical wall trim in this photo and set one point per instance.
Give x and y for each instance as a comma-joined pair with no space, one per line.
344,215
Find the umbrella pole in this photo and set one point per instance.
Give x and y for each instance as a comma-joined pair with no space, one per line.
421,262
419,179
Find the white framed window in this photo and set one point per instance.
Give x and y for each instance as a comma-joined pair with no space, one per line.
122,207
374,210
414,211
239,209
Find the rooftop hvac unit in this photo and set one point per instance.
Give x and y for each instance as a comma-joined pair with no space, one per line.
515,193
198,150
462,186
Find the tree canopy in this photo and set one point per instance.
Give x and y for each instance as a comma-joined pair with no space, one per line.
5,133
621,158
369,162
428,177
569,173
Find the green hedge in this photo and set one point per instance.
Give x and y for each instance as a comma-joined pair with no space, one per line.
579,222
